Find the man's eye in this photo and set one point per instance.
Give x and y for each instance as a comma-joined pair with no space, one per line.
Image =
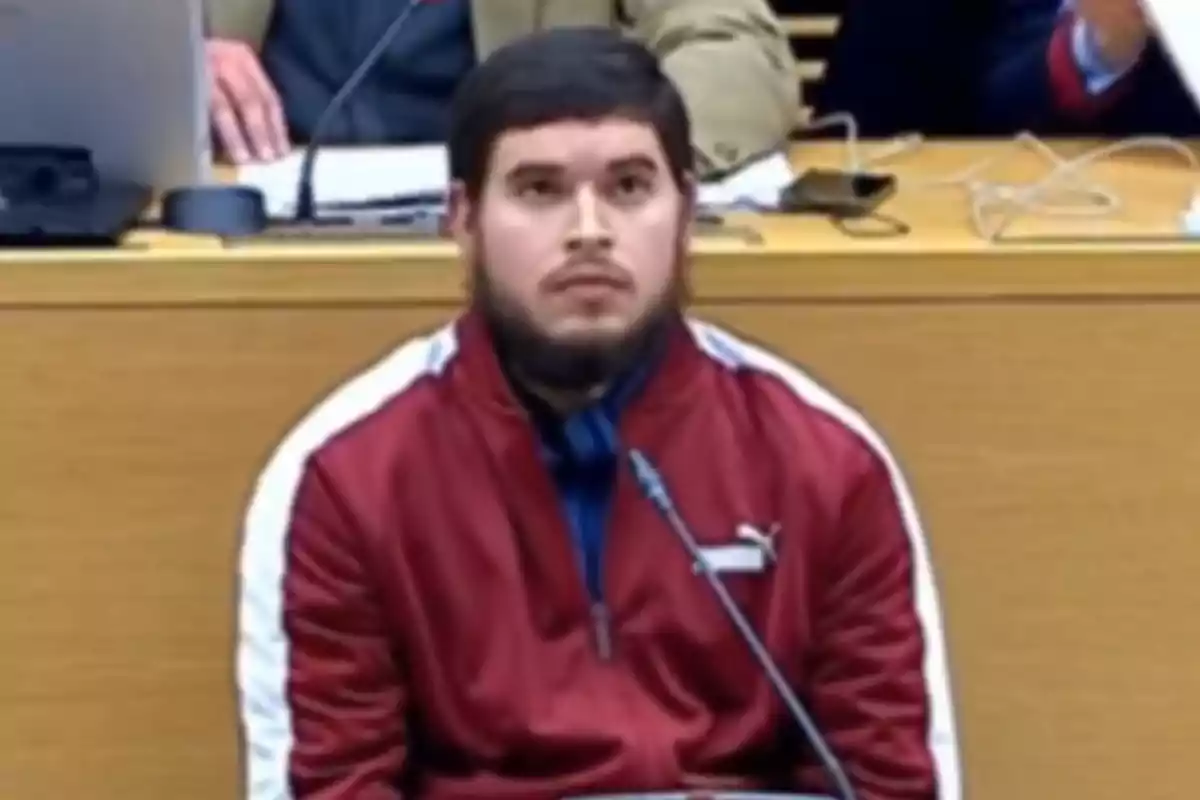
630,187
538,190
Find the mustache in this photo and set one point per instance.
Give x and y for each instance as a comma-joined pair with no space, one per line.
590,269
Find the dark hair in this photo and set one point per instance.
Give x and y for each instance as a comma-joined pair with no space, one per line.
576,73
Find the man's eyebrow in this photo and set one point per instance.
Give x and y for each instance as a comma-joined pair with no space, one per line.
525,170
637,162
535,169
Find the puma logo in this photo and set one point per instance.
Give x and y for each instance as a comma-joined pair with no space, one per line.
763,540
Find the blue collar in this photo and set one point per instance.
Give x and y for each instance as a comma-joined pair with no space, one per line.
588,438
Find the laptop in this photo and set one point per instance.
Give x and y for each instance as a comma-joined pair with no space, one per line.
123,78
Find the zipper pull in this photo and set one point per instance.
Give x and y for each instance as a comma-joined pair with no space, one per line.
602,626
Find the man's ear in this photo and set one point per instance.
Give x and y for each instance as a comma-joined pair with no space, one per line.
690,190
460,214
461,217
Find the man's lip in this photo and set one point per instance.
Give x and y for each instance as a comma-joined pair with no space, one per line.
591,280
587,274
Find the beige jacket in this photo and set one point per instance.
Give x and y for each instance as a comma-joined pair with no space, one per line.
730,58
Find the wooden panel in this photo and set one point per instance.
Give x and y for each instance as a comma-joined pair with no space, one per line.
130,439
1051,443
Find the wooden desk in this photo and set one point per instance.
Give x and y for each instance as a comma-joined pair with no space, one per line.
1041,397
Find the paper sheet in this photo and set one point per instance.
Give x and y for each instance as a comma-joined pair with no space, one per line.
1178,25
756,186
346,175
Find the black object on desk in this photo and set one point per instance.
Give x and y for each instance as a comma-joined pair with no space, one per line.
53,196
850,200
837,193
219,210
239,213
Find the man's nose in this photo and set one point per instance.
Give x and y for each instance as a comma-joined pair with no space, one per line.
590,229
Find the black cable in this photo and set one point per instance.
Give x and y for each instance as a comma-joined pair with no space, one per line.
892,227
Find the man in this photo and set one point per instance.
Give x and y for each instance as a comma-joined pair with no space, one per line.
451,584
276,64
1084,67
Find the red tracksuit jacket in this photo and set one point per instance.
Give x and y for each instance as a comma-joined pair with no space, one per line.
413,621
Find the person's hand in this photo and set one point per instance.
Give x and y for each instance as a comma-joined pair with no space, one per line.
247,115
1120,28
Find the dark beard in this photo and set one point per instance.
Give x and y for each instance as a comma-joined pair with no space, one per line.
533,358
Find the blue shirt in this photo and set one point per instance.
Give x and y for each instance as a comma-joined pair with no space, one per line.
583,452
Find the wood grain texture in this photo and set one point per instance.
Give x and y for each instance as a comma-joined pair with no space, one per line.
1051,445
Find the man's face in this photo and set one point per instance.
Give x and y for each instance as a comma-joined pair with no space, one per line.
577,240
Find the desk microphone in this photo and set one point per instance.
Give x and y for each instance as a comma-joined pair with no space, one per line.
655,489
305,201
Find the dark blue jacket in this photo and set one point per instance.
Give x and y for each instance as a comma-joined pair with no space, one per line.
1031,83
312,47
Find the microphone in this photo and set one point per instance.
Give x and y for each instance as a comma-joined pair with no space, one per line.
655,489
305,201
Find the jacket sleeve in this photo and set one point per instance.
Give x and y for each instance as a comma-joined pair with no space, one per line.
733,64
879,685
322,699
1032,79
